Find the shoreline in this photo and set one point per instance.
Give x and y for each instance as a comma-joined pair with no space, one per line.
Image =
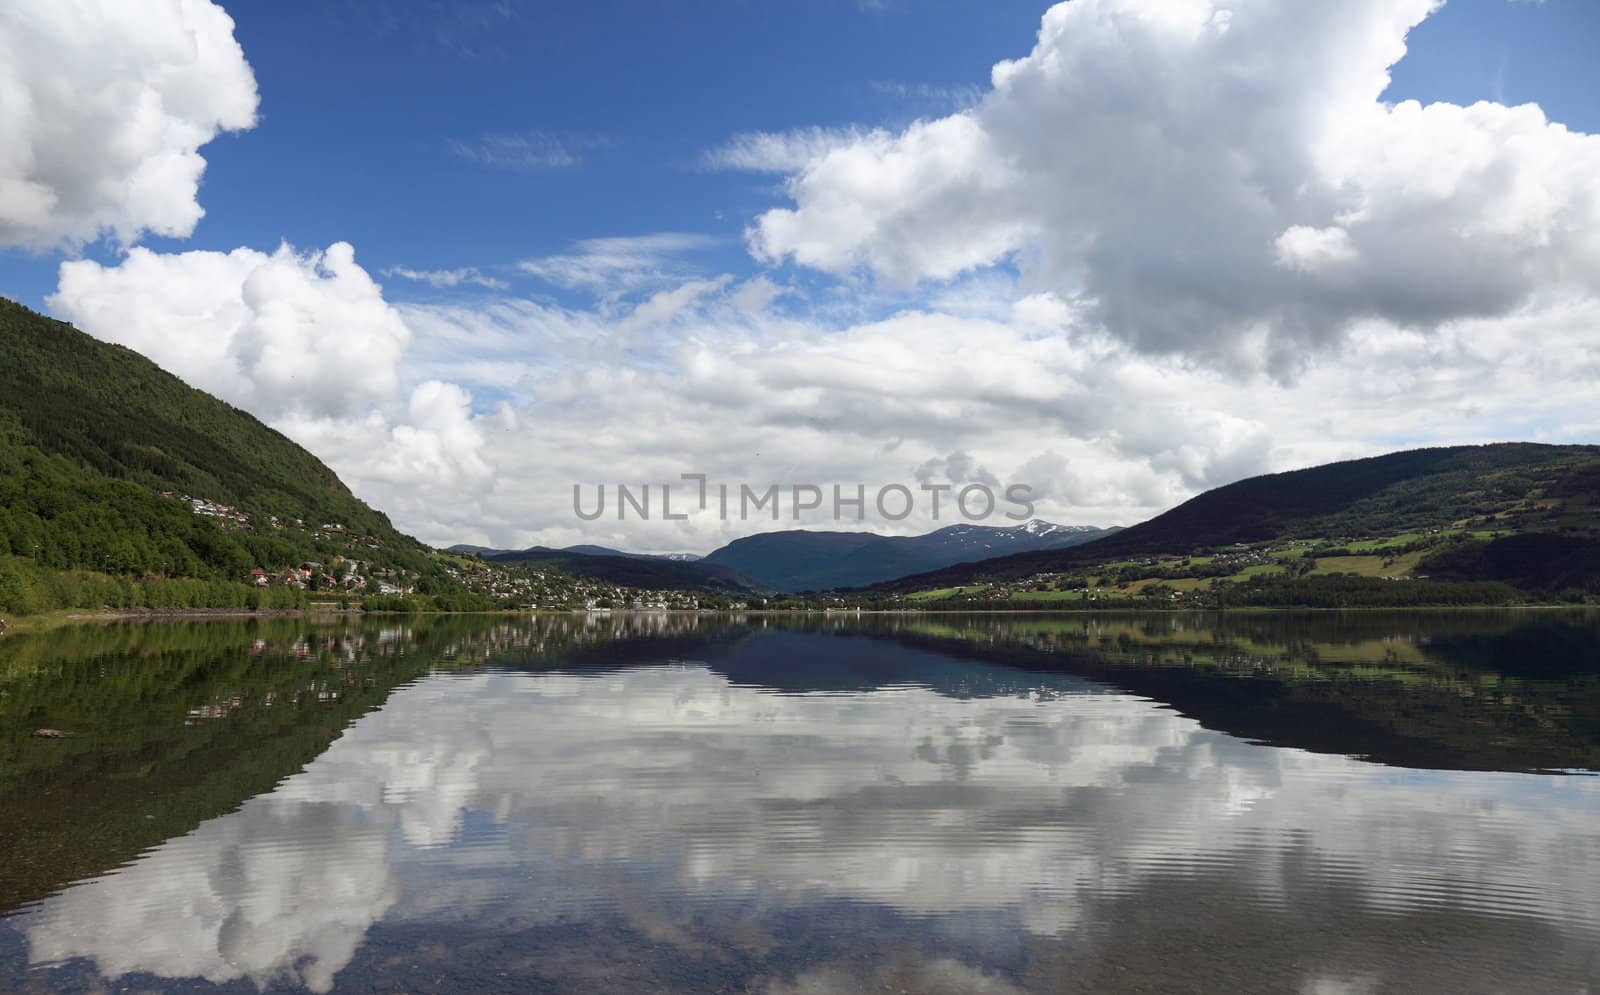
84,616
79,616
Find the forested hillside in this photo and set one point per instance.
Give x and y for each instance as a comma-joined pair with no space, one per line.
105,460
110,410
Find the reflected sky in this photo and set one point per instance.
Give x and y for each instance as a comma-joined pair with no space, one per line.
1031,832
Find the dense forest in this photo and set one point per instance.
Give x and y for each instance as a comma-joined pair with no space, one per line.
1359,592
1545,562
66,529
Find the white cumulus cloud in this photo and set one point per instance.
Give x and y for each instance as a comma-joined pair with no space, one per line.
104,105
306,342
277,334
1219,178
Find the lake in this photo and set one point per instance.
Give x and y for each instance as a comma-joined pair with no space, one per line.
1318,803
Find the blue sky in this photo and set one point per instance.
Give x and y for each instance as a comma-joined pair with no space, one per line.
361,104
527,246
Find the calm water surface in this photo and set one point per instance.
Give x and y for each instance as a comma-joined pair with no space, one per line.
1321,804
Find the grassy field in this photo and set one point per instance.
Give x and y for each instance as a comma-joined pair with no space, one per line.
1371,545
1369,566
942,593
1179,584
1366,565
1370,562
1391,557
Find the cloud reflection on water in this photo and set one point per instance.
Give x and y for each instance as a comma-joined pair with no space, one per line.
495,798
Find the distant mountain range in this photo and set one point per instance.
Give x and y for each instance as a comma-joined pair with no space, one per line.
801,560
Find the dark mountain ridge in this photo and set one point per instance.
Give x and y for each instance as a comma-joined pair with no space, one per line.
1513,485
798,559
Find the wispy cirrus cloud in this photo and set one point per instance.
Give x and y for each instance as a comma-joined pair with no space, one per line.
620,263
444,279
776,151
528,151
470,30
949,96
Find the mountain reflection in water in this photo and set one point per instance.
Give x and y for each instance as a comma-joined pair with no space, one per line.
691,804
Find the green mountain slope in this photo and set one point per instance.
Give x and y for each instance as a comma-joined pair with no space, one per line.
113,411
92,434
1509,487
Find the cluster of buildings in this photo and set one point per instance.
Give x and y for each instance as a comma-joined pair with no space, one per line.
557,592
231,517
552,591
496,581
226,515
663,601
345,575
337,531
